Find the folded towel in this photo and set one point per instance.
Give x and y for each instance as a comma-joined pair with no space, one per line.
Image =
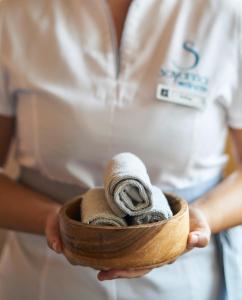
160,211
127,185
95,209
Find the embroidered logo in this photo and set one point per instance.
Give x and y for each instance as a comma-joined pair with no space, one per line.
189,47
185,75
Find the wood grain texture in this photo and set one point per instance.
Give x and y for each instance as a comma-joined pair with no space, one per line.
104,247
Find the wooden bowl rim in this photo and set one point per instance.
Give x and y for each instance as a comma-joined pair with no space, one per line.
65,218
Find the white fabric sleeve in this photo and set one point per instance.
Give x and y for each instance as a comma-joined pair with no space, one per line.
234,111
7,105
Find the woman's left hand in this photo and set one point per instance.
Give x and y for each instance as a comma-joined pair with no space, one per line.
200,232
199,236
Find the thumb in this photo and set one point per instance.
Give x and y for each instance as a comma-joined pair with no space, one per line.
52,232
199,238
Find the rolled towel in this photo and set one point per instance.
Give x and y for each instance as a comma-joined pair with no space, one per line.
160,211
95,209
127,185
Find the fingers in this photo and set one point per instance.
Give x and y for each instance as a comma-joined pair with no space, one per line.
52,232
172,262
114,274
198,239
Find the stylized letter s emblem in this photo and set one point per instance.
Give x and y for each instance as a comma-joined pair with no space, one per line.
189,47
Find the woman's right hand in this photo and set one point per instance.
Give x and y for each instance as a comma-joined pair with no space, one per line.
52,230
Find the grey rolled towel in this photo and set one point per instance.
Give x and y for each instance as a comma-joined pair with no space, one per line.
160,211
95,209
127,185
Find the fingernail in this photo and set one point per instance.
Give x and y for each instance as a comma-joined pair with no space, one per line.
55,246
194,239
100,278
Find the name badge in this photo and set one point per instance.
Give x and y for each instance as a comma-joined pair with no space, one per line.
180,96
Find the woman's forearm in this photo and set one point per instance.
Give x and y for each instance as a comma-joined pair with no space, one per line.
23,209
223,205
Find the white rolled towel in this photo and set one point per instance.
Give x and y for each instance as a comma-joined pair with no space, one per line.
127,185
95,209
160,211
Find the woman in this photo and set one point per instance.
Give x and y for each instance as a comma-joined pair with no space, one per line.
84,80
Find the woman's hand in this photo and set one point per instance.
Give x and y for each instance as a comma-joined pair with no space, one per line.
200,232
199,236
52,230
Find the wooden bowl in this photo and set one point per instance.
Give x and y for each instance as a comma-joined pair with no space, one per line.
139,246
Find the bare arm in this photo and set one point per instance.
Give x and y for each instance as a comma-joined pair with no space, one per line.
21,208
223,205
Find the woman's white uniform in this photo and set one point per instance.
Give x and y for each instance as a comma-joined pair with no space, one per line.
168,95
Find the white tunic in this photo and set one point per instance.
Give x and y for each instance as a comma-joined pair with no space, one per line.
78,103
168,96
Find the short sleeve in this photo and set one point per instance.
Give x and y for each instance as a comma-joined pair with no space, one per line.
7,106
234,111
